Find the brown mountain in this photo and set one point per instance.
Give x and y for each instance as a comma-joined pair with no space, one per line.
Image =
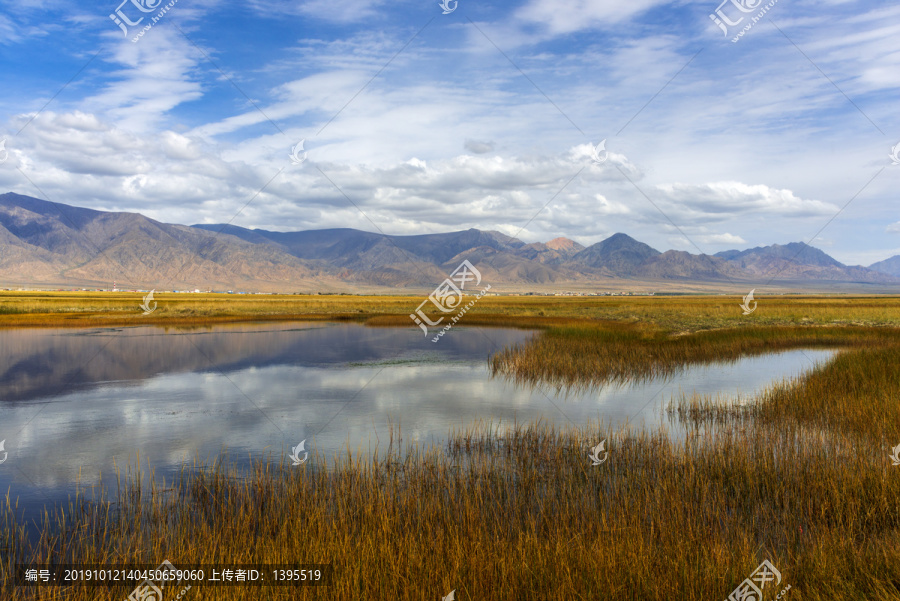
680,265
620,254
507,267
798,261
56,245
554,252
890,266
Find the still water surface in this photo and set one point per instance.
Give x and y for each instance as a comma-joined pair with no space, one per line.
75,403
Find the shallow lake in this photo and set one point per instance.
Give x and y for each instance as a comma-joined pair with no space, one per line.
74,403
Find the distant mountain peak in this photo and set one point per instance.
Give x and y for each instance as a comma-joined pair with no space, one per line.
619,237
792,252
564,244
890,266
620,253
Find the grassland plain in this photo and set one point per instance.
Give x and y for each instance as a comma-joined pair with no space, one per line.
798,475
674,313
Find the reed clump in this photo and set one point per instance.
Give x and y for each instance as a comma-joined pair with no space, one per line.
599,353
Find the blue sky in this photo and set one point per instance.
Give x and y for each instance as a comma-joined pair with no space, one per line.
414,121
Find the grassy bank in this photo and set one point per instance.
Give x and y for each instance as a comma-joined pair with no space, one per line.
855,394
598,353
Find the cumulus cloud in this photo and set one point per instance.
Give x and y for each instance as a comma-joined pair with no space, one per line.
605,206
78,158
730,198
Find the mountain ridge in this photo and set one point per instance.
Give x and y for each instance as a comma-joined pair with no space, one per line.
43,241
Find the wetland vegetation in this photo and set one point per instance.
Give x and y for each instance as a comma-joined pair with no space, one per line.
799,475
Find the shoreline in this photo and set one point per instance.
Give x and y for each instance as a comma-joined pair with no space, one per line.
680,315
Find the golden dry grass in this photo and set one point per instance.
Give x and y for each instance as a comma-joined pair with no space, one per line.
598,353
674,313
519,516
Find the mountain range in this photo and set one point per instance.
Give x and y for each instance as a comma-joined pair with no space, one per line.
48,244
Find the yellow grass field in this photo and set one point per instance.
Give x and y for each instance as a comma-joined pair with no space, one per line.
681,313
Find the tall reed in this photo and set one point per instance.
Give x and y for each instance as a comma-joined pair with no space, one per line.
517,515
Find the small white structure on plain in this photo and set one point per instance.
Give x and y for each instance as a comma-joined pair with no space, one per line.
595,453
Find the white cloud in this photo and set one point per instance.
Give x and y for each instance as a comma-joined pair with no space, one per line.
156,75
77,158
723,200
339,11
605,206
8,31
725,238
862,47
581,14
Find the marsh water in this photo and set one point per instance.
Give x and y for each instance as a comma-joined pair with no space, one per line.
76,403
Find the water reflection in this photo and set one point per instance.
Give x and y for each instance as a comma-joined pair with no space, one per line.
36,363
75,403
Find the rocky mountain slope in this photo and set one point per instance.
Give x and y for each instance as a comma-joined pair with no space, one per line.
60,245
